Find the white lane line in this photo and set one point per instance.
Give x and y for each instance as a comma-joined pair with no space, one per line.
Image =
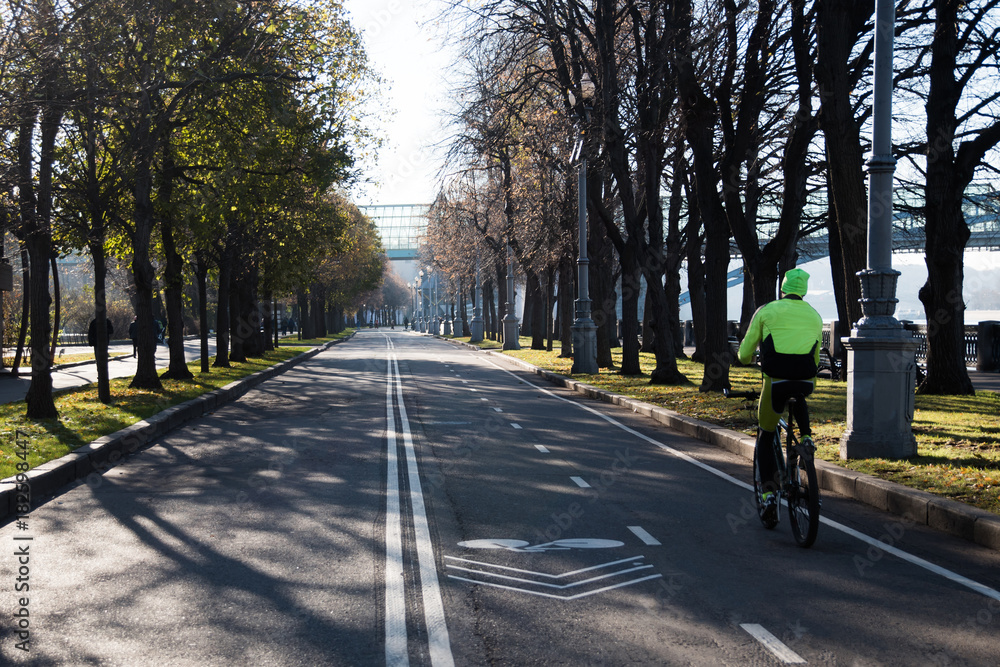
497,410
641,533
439,644
773,644
542,448
515,425
581,482
871,541
558,597
396,652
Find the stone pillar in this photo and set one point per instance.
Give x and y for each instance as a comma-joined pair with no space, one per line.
511,326
881,371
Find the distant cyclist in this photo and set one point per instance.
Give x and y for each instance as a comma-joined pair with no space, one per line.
789,332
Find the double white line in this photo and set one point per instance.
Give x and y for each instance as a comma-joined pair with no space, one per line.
396,651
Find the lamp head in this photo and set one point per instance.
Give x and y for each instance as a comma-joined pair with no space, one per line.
587,88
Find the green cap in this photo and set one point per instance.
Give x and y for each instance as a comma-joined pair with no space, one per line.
796,282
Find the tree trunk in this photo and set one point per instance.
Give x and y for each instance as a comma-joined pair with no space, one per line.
222,307
22,333
35,223
100,312
142,269
630,312
945,227
201,276
534,286
839,24
174,287
565,297
57,306
305,320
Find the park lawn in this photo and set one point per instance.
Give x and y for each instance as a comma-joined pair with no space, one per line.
83,418
958,437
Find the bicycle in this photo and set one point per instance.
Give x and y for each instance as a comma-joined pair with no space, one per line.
797,472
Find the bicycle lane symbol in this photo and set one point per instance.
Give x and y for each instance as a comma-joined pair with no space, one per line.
568,585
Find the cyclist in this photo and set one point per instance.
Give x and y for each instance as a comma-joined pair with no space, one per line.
789,332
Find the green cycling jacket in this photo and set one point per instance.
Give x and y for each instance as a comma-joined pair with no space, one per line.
789,332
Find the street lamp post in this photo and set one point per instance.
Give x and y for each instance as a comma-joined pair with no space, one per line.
881,371
584,330
447,322
420,297
476,325
510,323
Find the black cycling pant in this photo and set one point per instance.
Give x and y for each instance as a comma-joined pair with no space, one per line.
773,399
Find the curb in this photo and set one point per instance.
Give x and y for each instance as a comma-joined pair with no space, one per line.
949,516
99,456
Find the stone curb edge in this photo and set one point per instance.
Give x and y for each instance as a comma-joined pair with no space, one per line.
950,516
101,455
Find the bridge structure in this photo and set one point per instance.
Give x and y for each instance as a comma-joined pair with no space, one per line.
402,227
981,215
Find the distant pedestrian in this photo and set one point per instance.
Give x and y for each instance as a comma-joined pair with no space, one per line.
133,333
92,332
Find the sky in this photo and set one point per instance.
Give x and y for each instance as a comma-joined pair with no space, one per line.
404,45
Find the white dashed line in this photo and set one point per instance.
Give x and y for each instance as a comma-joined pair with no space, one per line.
641,533
497,410
515,425
773,644
580,482
542,448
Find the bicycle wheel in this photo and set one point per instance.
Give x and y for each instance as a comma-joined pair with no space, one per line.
768,521
803,498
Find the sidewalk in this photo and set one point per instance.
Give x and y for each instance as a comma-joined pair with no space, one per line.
104,453
925,508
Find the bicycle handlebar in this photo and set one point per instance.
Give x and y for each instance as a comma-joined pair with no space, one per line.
750,394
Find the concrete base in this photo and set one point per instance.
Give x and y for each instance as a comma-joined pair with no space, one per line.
511,333
584,344
881,374
446,327
476,329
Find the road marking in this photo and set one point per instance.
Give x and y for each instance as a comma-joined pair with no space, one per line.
515,425
439,644
773,644
497,410
542,448
396,652
871,541
641,533
580,482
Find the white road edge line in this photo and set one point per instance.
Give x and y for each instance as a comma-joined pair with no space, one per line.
643,535
871,541
773,644
439,644
396,652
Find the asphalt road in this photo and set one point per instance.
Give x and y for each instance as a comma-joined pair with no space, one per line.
484,519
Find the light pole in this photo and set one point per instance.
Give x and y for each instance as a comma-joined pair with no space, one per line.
881,372
476,325
584,329
447,321
510,323
420,297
